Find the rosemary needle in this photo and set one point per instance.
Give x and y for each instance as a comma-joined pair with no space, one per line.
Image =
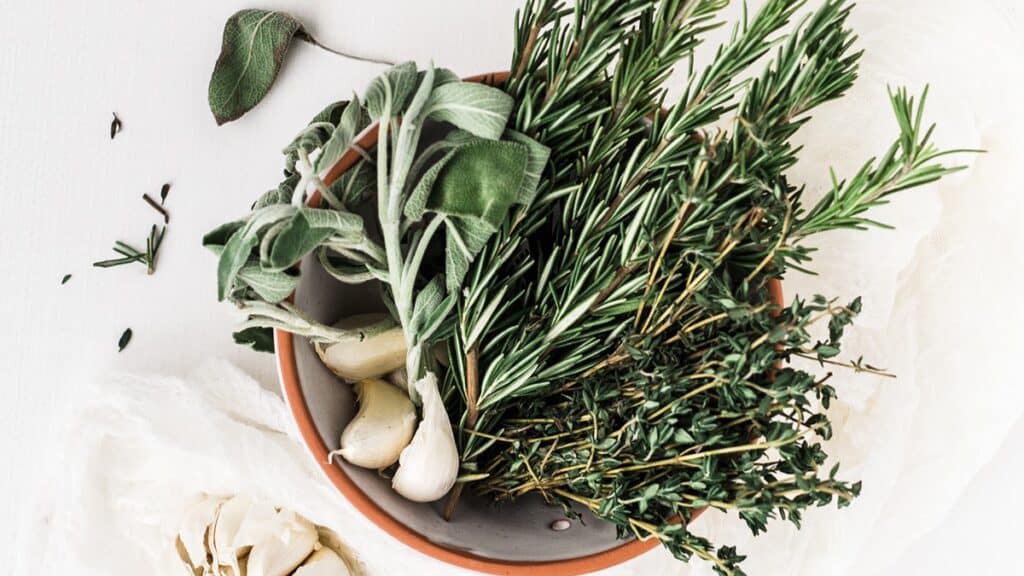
158,206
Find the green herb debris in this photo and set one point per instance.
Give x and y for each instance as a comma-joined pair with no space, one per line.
115,126
125,338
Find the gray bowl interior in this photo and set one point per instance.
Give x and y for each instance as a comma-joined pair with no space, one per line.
519,531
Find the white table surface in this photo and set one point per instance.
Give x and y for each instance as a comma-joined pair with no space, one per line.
67,192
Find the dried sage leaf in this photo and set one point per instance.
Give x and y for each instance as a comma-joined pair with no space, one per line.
125,338
255,43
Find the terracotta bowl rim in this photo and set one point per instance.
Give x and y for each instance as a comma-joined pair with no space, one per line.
292,387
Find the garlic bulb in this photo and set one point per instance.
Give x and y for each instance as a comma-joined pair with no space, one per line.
242,536
428,466
381,429
323,562
372,357
283,550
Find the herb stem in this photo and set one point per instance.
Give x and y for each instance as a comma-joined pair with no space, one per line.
157,206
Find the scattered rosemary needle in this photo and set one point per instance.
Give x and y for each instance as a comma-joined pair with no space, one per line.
65,279
115,126
131,254
163,191
159,207
125,338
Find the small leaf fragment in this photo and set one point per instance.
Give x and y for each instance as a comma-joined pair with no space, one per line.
254,46
65,279
261,339
115,126
163,191
125,338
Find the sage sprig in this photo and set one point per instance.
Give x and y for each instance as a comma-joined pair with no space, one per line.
461,187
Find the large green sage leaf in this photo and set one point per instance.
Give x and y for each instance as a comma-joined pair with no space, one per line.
355,185
315,134
271,286
236,250
215,239
254,45
307,229
476,108
481,180
392,89
431,309
471,187
352,121
464,238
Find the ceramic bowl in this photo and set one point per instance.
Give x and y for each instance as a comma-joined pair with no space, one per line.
511,538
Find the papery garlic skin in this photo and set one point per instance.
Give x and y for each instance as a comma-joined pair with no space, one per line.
383,426
372,357
323,562
196,523
291,541
229,520
429,465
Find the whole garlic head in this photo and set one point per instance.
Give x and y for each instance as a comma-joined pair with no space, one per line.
429,465
372,357
381,429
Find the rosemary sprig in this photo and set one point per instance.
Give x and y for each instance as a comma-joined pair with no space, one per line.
131,254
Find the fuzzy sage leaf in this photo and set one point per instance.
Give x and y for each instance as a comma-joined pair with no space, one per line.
475,108
255,43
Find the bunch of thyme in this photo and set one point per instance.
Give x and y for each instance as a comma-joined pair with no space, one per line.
615,345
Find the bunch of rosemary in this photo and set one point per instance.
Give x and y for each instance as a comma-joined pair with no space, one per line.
615,344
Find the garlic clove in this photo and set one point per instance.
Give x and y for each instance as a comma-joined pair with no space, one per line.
373,357
383,426
280,552
428,466
323,562
329,539
229,521
399,378
260,520
195,526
